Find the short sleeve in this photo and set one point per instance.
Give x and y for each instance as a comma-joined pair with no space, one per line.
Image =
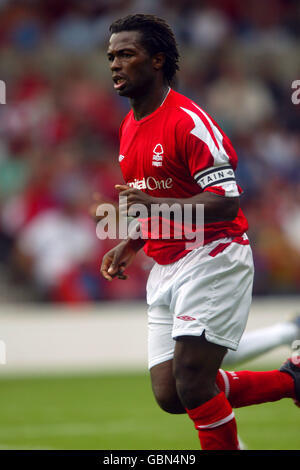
208,153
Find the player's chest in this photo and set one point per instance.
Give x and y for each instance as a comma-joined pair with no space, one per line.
146,152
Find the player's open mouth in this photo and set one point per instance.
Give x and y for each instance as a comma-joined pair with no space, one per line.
119,82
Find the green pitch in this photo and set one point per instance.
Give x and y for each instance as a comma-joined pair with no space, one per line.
119,412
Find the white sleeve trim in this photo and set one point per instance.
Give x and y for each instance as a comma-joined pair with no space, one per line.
231,189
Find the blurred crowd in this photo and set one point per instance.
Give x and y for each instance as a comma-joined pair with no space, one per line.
59,134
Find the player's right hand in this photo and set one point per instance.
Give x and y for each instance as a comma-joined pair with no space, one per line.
116,261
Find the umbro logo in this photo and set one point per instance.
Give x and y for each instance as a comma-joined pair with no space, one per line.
158,153
121,157
185,318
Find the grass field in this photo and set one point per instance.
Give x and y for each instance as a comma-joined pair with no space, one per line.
118,412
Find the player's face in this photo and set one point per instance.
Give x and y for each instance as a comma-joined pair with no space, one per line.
132,67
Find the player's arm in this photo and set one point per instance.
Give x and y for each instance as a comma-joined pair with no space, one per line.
217,208
116,260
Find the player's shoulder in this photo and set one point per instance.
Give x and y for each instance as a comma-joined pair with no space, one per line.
184,111
125,122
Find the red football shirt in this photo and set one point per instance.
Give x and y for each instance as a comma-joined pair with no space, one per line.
179,151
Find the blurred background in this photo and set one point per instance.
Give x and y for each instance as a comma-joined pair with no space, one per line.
59,135
58,160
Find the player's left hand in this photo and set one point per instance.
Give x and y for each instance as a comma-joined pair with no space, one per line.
134,196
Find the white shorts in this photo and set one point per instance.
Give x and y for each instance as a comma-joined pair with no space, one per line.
209,289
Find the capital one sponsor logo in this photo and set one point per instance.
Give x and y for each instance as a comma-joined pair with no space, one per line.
151,183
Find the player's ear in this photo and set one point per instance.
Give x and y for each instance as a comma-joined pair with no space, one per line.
158,60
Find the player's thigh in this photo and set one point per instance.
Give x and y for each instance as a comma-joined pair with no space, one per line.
194,355
196,363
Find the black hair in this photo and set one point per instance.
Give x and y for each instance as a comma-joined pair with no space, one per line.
156,36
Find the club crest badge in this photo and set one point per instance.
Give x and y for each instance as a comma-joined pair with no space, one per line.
158,153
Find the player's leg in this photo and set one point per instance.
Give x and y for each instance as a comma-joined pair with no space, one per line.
255,343
160,359
164,388
161,345
167,397
165,392
210,300
245,388
196,364
160,342
242,388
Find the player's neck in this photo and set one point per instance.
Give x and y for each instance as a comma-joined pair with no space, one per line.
149,102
